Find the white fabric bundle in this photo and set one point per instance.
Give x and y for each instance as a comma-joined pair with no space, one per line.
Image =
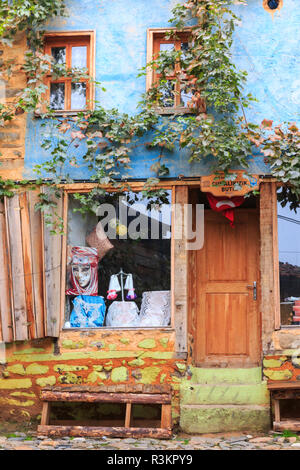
156,308
122,314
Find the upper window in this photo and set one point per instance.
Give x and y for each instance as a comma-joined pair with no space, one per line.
74,52
174,92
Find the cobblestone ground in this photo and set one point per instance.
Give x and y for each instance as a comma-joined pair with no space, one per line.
271,441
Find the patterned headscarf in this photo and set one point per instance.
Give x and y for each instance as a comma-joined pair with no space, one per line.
84,256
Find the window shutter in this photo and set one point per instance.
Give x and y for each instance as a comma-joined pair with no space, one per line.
30,283
5,283
52,272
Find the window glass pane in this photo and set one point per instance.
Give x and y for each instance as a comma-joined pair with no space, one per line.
119,270
79,56
185,95
167,90
59,54
166,47
184,49
57,96
78,95
289,264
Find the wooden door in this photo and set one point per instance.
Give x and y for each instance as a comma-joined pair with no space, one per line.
227,314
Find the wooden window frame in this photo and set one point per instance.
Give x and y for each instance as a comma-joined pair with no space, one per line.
278,324
154,36
270,279
179,195
68,39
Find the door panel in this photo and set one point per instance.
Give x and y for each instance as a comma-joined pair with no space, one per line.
227,316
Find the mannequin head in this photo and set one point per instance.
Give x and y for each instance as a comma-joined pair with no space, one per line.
84,273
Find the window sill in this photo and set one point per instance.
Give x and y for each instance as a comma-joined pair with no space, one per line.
120,328
38,114
289,327
174,110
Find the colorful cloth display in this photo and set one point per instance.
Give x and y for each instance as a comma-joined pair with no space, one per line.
88,311
225,205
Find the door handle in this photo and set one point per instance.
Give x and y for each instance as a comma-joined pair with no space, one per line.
254,287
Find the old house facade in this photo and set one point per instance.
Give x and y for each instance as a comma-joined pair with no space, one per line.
225,339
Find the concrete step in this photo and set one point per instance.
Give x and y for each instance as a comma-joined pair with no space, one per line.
252,375
224,394
203,419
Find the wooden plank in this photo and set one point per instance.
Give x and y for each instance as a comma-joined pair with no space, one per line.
128,415
95,431
35,221
5,283
118,388
27,257
166,417
90,397
286,394
192,278
283,385
134,185
14,230
64,260
45,414
269,265
180,262
288,425
52,272
277,410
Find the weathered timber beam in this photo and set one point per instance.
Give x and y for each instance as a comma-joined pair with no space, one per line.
105,397
91,431
288,425
283,385
118,388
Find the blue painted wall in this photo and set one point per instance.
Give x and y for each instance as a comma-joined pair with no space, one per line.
268,48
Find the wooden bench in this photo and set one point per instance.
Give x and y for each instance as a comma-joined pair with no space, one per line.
282,391
128,394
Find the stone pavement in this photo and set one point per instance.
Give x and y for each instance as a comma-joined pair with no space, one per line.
271,441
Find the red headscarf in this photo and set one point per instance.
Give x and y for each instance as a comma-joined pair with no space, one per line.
225,205
84,256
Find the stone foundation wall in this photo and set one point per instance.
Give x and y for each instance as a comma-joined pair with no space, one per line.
90,358
281,367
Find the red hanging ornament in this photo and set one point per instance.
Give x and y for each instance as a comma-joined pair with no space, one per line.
225,205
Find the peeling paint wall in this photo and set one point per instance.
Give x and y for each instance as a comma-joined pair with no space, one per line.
265,45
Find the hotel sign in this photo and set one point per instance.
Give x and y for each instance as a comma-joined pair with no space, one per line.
219,185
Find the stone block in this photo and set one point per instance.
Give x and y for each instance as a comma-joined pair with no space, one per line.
36,369
147,343
149,374
278,374
16,369
119,374
7,384
218,394
69,378
44,381
199,419
225,375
